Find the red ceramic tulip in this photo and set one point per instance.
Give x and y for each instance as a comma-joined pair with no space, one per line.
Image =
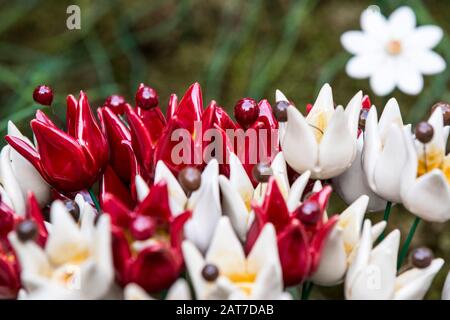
301,234
146,239
9,266
69,161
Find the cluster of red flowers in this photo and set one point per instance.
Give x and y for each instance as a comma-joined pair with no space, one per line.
127,141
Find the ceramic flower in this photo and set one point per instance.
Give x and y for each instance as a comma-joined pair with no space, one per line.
373,271
342,243
324,141
225,272
384,152
446,288
301,233
9,267
238,192
352,183
69,161
392,51
425,189
18,177
178,291
204,202
76,261
146,239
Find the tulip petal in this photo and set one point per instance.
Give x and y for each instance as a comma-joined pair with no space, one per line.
414,284
391,161
177,197
296,192
225,250
429,197
337,148
299,144
234,207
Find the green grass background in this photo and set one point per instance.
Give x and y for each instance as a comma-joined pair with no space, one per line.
233,48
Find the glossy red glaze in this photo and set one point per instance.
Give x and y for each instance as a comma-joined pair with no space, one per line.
43,94
69,161
299,245
246,112
160,263
146,97
116,103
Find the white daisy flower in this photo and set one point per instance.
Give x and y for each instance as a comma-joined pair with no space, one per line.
392,51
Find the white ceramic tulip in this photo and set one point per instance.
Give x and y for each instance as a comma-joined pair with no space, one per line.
238,192
384,152
18,177
204,202
178,291
351,184
425,181
342,244
76,262
373,271
255,276
324,141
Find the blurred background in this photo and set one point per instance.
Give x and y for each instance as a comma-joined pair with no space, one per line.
232,48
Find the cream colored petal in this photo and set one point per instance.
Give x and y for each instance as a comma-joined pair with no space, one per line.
361,259
279,96
265,252
134,292
142,188
177,197
206,208
429,197
351,184
5,198
372,147
297,189
10,182
179,291
437,122
66,241
337,148
391,161
28,177
350,220
268,284
34,263
324,102
299,143
225,250
391,114
446,289
352,111
333,261
377,230
414,283
279,170
103,249
239,179
234,207
409,172
194,265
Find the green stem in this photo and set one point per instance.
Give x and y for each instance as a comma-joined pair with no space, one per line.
306,290
94,199
387,212
405,247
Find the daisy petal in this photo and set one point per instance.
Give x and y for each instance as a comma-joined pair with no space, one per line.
402,22
424,37
382,81
409,80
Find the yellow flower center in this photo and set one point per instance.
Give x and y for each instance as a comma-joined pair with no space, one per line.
319,122
433,158
394,47
243,280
